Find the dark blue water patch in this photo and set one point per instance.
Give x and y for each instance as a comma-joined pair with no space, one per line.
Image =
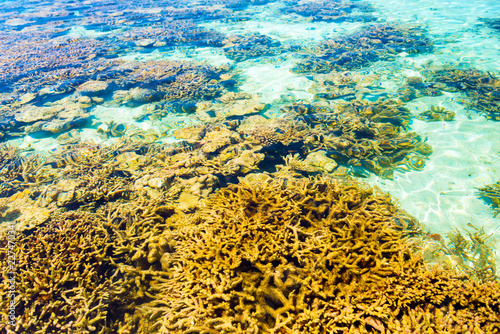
493,23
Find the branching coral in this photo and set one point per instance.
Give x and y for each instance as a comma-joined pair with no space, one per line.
297,255
269,255
173,79
61,281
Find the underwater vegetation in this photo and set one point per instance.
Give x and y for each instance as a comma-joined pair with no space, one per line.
491,193
360,49
272,253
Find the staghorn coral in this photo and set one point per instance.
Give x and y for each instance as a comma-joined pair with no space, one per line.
60,271
301,255
284,254
32,62
173,80
16,172
87,268
272,133
173,33
230,105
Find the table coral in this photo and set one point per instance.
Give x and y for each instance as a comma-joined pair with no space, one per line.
359,133
330,10
360,49
482,88
240,48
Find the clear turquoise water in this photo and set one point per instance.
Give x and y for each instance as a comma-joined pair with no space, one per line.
35,53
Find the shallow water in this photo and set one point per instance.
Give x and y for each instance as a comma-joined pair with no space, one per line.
443,195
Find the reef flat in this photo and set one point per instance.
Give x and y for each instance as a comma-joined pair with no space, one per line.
248,167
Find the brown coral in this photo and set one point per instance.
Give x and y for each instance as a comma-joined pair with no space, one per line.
314,256
59,270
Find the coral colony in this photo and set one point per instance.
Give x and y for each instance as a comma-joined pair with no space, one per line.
246,222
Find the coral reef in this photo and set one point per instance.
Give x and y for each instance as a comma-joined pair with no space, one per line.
62,282
363,134
437,114
172,80
32,62
415,87
491,193
215,212
244,47
330,10
172,34
357,50
230,105
21,209
139,237
168,86
344,85
481,88
299,255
